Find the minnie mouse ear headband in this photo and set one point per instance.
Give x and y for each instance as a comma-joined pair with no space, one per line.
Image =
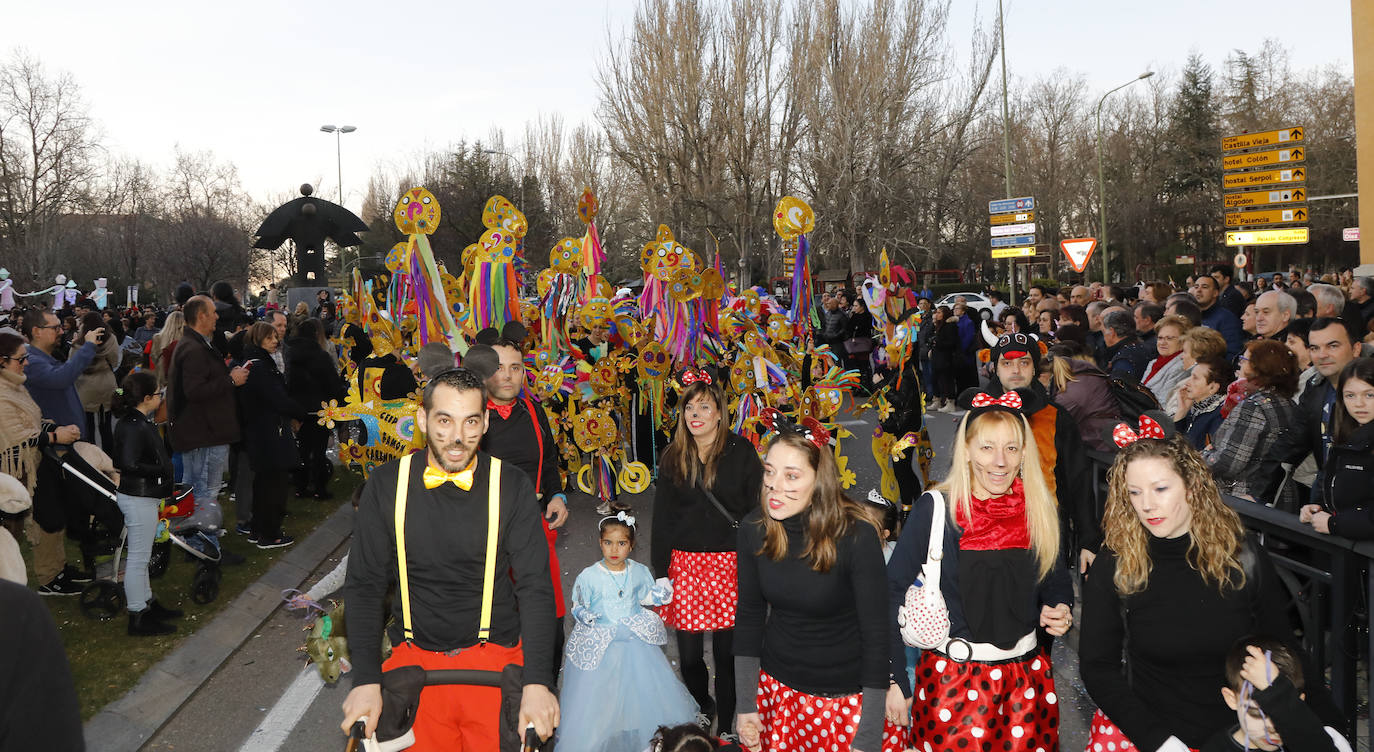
1012,346
690,376
978,402
810,428
513,331
1153,424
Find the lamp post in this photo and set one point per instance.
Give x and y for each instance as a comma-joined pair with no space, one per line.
1006,138
338,132
512,158
1101,179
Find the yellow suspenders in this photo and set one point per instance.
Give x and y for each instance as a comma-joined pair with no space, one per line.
488,577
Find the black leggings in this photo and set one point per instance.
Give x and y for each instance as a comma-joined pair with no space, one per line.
691,651
907,480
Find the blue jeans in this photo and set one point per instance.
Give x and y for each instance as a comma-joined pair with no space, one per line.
203,470
140,522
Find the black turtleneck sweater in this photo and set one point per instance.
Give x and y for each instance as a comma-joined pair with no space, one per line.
818,633
685,520
1180,630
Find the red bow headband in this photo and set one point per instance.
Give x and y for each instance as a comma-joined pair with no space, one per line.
1123,436
1010,400
810,428
693,375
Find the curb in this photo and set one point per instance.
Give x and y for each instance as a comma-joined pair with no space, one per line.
127,723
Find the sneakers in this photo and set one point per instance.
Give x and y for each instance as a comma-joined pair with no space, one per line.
281,541
61,585
79,576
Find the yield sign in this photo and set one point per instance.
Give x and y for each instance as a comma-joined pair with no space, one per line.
1078,251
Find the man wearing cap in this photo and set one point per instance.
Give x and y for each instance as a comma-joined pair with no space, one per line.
1016,357
518,432
465,593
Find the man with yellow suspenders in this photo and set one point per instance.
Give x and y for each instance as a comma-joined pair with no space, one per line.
458,536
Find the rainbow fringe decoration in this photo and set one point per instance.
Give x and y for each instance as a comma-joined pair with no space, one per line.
493,294
801,312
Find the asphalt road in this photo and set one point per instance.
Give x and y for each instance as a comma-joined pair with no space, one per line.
264,698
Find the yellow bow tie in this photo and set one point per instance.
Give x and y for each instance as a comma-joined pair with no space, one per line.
462,479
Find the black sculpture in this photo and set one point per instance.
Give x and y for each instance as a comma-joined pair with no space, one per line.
309,221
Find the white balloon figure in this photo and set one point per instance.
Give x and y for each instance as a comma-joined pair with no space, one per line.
56,291
99,293
70,295
6,290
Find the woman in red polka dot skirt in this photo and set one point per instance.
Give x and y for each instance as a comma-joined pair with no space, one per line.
693,537
988,685
811,635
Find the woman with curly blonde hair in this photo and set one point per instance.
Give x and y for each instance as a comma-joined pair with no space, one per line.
1176,584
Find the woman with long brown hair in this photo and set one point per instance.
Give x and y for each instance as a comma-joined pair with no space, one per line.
1001,578
1176,584
708,480
811,643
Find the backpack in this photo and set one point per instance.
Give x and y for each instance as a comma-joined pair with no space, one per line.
1134,398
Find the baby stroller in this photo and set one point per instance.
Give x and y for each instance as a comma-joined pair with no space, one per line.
401,700
95,493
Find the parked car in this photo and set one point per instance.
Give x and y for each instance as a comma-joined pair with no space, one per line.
975,300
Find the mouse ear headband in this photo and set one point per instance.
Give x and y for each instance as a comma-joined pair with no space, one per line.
810,428
1152,425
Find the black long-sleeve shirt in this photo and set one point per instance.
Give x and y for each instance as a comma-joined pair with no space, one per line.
446,539
514,440
1298,726
1181,630
685,520
819,633
981,606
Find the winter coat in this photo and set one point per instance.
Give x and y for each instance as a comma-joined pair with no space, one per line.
1165,381
267,414
1244,454
1088,398
1127,359
1348,485
200,396
311,375
96,384
140,455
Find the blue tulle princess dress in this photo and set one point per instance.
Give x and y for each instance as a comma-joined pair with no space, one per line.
617,685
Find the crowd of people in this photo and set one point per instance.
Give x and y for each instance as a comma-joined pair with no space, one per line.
919,617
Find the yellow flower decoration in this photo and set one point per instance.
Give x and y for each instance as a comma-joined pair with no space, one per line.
847,477
884,409
330,413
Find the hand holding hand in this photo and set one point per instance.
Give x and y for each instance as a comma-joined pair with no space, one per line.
898,710
67,434
1306,513
750,730
1057,620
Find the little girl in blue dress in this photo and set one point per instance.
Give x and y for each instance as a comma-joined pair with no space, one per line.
617,685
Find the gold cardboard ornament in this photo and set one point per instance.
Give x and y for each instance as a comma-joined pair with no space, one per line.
417,213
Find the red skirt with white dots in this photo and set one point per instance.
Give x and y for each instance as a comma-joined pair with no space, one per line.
795,720
1010,705
705,591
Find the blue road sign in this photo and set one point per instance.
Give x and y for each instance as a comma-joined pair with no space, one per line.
1001,206
1013,241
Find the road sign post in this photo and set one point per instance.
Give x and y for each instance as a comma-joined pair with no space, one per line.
1011,224
1078,251
1272,160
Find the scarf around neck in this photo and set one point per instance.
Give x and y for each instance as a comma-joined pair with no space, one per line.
21,421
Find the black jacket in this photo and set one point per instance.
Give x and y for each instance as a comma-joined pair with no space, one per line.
1348,485
267,414
311,377
141,456
1129,358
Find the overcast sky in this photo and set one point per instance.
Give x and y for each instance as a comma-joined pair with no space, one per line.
254,80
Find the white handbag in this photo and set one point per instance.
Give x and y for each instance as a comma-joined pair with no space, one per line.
923,616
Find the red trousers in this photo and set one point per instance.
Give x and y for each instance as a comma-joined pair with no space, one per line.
456,717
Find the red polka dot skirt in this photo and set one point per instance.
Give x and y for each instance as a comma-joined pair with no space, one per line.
705,591
797,721
1004,706
1106,737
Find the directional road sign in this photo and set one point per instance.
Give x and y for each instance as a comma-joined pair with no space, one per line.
1284,236
1025,250
1002,206
1025,228
1264,198
1078,251
1263,177
1012,218
1013,241
1263,158
1267,217
1266,138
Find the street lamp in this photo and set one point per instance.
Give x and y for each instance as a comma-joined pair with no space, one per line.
1101,181
512,158
338,132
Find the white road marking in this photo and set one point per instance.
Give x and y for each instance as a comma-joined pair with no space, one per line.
283,717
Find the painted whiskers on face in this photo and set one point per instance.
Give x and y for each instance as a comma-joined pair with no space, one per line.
788,481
